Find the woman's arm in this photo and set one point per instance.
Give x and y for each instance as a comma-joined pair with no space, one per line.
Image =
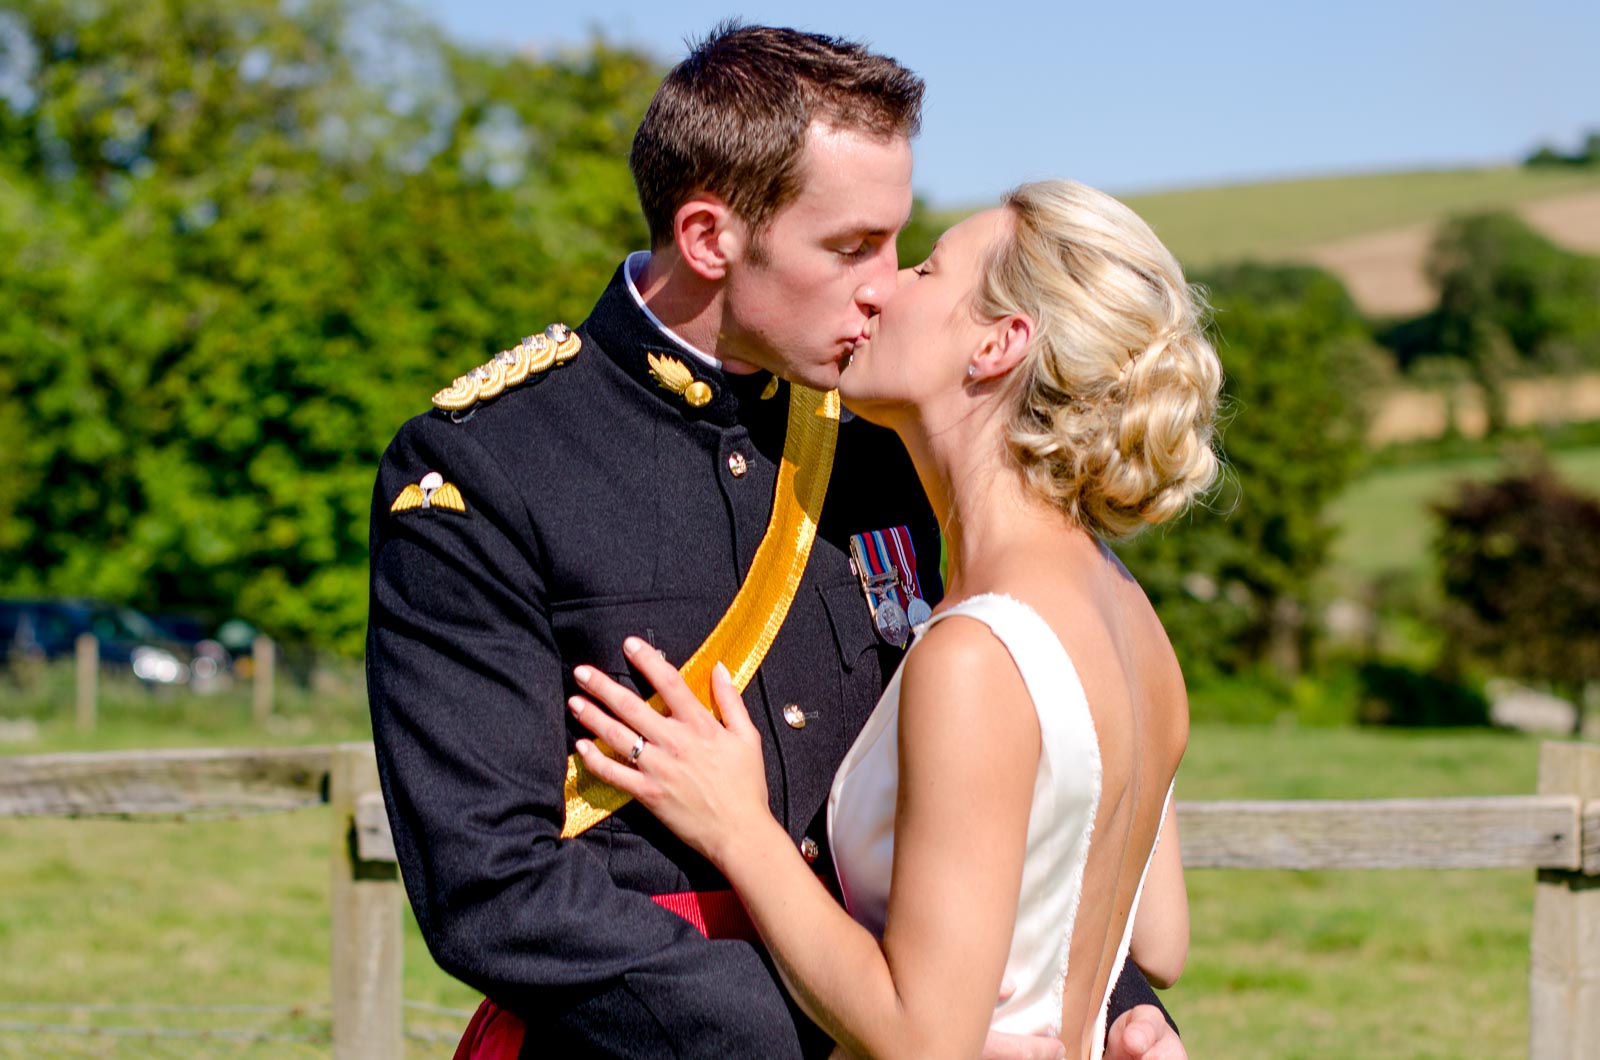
1160,944
969,748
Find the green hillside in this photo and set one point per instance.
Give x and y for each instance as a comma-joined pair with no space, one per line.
1204,225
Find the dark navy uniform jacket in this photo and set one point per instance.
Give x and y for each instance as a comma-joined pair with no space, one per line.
598,505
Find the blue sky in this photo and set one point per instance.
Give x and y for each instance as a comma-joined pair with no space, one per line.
1138,96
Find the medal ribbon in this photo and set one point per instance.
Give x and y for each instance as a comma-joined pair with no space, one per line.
905,560
751,623
887,552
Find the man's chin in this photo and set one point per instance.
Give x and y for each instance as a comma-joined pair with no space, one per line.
817,376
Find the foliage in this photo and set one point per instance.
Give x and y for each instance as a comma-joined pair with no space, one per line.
1393,694
916,239
250,239
1326,698
1510,301
1520,559
1234,582
1546,155
1500,282
1383,516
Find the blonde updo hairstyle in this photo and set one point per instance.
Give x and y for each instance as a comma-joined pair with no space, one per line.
1112,408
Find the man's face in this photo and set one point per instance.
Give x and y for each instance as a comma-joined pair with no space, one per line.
827,260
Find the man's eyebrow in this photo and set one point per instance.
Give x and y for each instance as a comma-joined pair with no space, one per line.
862,228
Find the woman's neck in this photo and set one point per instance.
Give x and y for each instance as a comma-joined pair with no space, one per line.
985,508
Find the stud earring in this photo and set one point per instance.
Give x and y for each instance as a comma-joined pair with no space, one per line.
972,371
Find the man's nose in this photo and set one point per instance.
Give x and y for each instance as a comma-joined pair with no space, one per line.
876,288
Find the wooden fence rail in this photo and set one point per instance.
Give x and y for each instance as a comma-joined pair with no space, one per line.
1555,832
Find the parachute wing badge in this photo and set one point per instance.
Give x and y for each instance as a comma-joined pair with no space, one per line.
432,492
447,496
531,357
672,374
410,497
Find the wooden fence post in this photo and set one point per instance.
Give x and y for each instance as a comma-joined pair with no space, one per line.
367,904
1564,977
88,650
263,661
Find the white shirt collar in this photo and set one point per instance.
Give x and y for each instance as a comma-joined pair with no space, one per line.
634,267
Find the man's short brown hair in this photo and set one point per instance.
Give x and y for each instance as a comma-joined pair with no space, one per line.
731,118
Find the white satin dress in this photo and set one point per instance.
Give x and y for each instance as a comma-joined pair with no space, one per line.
1066,795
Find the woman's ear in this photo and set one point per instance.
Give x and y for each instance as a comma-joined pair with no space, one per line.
702,233
1006,345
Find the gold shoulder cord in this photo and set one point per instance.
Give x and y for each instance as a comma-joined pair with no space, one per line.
743,635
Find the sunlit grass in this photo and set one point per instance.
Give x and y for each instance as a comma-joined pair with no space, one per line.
1282,964
1384,521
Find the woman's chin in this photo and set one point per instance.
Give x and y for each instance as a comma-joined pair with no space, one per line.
860,405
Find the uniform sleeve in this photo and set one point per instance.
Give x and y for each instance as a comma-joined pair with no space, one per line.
469,719
1130,991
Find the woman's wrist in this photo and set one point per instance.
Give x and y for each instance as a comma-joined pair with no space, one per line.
750,848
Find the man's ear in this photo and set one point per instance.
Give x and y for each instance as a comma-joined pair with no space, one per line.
1006,345
702,232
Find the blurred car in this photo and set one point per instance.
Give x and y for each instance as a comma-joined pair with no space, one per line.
211,664
49,629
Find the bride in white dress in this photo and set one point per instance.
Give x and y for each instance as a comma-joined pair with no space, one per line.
997,819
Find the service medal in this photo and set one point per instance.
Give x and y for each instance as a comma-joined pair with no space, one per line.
886,563
891,622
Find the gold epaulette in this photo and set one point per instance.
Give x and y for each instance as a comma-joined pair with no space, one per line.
528,358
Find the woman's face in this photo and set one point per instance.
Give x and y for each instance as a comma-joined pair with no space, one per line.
916,351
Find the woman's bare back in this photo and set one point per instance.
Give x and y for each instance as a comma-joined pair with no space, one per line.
1136,698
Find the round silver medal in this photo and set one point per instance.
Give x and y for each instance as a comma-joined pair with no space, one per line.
892,624
918,611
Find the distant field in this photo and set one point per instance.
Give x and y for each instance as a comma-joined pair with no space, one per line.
1384,522
1386,270
1282,964
1205,225
1269,220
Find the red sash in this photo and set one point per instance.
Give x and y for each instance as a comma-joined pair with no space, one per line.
496,1033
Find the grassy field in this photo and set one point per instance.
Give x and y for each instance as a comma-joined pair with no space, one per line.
1204,225
1385,525
1282,964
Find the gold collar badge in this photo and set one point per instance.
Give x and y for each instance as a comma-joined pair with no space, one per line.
558,344
672,374
432,492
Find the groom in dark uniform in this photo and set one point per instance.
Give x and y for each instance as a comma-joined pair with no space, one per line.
642,475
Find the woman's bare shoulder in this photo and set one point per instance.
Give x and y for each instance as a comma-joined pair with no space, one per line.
961,675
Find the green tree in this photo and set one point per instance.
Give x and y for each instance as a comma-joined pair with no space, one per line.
1233,582
1520,560
251,239
1511,300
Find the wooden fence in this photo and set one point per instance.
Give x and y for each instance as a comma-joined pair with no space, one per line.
1555,832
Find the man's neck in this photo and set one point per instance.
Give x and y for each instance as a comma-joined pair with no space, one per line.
689,306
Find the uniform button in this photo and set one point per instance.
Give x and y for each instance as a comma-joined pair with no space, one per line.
809,849
794,716
737,465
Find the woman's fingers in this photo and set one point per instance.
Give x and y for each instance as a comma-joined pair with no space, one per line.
613,772
634,712
667,681
616,735
729,703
